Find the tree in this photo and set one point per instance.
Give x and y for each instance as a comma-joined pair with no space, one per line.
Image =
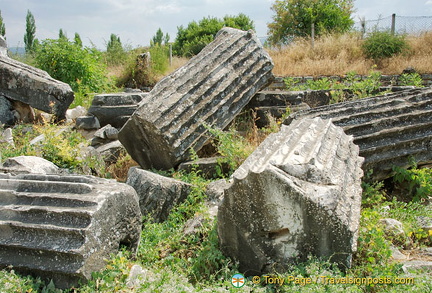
294,18
77,40
191,40
2,26
115,54
166,39
62,35
114,44
29,37
157,38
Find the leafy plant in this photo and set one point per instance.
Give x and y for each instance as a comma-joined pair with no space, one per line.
383,44
233,147
81,68
295,18
192,39
411,79
415,183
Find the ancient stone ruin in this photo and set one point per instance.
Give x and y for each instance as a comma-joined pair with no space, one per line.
115,109
211,89
299,193
63,227
157,194
34,87
389,129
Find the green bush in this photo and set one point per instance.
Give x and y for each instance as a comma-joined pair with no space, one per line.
383,44
191,40
81,68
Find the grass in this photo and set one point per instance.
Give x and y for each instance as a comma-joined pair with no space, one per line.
339,54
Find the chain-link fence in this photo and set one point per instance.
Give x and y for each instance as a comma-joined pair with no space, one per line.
399,24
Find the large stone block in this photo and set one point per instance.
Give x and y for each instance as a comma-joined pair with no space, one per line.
212,88
63,227
157,194
389,129
299,193
34,87
115,108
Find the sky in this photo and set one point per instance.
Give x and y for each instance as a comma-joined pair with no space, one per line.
136,21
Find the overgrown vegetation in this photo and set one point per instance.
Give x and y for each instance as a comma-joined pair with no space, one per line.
192,39
337,54
298,18
380,45
82,68
177,262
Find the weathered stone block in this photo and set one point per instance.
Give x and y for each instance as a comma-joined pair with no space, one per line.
389,129
63,227
116,108
298,194
157,194
212,88
30,164
34,87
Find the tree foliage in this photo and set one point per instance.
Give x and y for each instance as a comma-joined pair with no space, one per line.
192,39
114,44
295,17
2,26
62,35
80,67
115,51
77,40
30,35
159,38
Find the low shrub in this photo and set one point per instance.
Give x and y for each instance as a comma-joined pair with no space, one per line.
380,45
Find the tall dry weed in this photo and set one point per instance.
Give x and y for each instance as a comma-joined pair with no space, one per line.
340,54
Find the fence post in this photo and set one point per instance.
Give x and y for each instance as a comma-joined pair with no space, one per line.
313,35
393,24
363,25
170,54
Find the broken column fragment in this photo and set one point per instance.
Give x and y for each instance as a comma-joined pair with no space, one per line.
34,87
212,88
388,129
157,194
116,108
64,227
299,193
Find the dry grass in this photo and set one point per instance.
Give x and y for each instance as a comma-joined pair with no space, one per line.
339,54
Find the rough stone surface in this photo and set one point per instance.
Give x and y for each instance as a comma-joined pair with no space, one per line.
116,108
209,168
63,227
7,137
6,115
3,47
72,114
31,164
389,129
34,87
110,151
87,122
212,88
157,194
298,194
